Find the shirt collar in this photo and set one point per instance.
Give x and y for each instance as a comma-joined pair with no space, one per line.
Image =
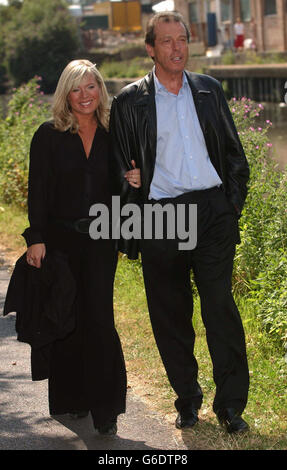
158,86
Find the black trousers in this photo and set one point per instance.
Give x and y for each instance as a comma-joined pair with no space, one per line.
87,370
166,271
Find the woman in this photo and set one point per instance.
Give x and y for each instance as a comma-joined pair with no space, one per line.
69,173
239,34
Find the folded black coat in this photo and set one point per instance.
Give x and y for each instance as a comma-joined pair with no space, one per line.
43,300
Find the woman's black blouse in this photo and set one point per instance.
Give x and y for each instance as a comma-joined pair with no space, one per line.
63,182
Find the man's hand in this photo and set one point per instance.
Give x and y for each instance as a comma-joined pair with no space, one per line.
134,176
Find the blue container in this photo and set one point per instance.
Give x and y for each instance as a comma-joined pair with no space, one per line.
211,30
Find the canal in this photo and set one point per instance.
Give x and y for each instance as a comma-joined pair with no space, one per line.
277,114
278,138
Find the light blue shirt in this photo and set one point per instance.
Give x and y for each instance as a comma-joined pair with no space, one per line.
182,161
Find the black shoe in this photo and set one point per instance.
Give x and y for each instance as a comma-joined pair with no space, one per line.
78,414
186,418
231,420
109,429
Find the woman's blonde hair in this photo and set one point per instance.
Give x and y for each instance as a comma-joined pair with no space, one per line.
70,78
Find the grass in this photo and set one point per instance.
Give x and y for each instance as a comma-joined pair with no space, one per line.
267,408
12,223
137,67
251,57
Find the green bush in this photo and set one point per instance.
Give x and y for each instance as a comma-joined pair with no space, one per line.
228,58
3,70
137,67
250,57
2,78
260,270
26,111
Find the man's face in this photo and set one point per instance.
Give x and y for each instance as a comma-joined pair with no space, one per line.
170,50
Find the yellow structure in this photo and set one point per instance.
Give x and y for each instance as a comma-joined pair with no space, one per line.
122,16
126,16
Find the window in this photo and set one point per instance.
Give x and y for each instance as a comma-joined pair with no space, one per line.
193,18
207,6
225,7
270,7
245,10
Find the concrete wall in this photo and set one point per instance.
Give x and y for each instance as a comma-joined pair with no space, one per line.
272,34
271,29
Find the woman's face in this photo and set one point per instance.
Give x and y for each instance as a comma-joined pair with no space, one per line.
85,98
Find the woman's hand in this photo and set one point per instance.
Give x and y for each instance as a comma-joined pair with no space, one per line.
35,254
134,176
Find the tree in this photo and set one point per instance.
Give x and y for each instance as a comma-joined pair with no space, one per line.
6,14
40,39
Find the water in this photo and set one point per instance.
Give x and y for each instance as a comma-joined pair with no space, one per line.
277,114
278,138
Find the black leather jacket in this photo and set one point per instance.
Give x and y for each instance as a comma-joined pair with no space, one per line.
133,132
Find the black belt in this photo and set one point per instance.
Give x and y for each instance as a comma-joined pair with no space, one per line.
78,225
195,195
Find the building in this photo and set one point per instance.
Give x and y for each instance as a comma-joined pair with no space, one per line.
265,21
122,16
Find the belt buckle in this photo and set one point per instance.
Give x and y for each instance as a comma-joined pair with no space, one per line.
82,225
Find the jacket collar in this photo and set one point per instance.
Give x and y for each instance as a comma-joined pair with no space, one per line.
146,97
200,95
146,91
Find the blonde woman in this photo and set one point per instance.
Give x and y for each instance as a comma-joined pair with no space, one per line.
69,173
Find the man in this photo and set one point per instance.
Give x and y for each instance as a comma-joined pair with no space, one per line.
177,128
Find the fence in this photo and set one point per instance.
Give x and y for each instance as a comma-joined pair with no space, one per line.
263,83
